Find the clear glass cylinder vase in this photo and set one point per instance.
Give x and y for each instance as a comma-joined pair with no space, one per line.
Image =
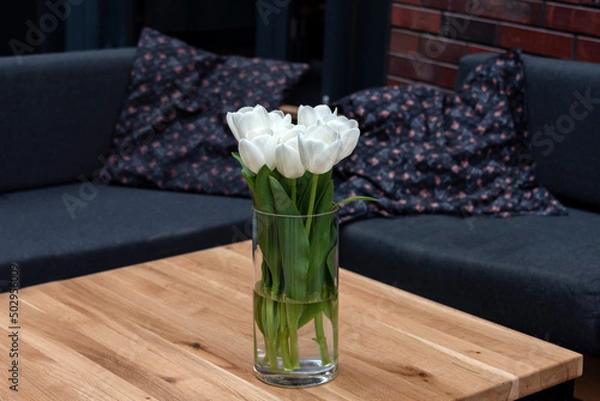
295,298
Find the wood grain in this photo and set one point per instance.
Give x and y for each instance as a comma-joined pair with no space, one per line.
181,329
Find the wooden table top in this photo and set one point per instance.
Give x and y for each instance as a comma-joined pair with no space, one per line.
181,329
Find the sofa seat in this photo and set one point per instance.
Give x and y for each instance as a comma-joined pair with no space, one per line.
116,226
538,275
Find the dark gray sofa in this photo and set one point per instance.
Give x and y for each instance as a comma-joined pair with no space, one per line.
57,114
538,275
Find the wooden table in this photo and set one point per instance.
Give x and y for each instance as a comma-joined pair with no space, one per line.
181,329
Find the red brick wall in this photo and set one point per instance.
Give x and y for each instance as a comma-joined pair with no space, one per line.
428,37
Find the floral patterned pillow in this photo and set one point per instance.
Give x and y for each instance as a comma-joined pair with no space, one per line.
425,151
172,131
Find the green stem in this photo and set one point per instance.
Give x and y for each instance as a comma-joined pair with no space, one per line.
294,311
311,202
321,340
295,351
271,334
288,363
285,351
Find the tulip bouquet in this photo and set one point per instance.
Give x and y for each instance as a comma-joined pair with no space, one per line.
288,168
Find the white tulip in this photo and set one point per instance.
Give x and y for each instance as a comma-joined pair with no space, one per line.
320,148
258,151
308,116
248,119
287,156
349,133
278,119
233,119
319,141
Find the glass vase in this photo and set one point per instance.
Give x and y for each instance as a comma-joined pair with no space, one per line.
295,298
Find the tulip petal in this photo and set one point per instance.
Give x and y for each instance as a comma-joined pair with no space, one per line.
277,118
288,160
323,111
287,134
323,132
251,155
267,144
306,116
256,119
258,132
233,118
349,141
316,155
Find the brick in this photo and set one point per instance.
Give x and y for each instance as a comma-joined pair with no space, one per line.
392,80
469,29
447,76
415,18
528,12
459,6
414,2
404,42
588,49
573,19
473,48
412,68
536,40
592,3
437,48
439,4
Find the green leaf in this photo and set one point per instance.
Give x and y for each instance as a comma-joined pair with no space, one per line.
259,311
262,196
248,175
293,244
324,180
282,203
266,233
332,259
325,203
268,243
267,278
322,239
294,311
330,309
309,313
304,184
358,198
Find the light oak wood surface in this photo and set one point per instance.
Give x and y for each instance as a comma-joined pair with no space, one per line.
181,329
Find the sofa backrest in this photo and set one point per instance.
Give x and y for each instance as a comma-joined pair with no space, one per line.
563,109
57,114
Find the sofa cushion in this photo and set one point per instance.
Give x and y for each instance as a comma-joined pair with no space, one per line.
111,226
172,132
563,102
424,151
57,113
538,275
